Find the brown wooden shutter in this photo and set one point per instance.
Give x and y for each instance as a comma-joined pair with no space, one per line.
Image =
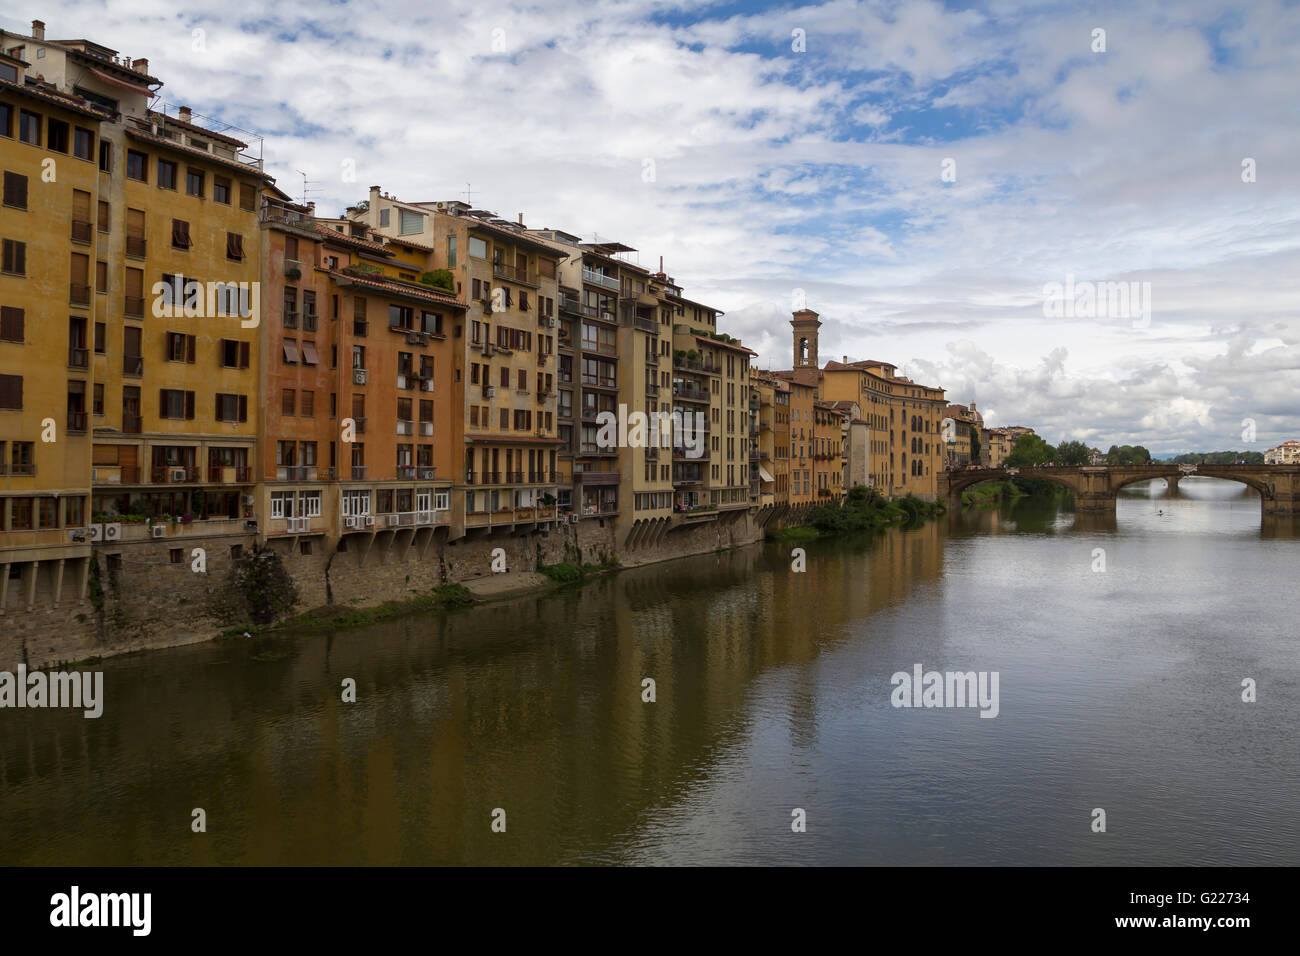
234,245
189,404
243,355
80,205
243,406
104,211
189,349
135,223
15,190
162,403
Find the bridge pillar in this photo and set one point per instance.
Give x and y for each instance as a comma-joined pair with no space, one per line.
1286,492
1095,502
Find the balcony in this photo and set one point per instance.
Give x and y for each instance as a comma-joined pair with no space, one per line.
591,449
229,474
358,376
199,527
569,303
599,278
600,381
405,427
133,365
131,424
687,394
133,307
309,321
82,231
78,358
358,472
290,320
360,327
696,365
513,273
173,474
115,475
78,293
651,389
77,422
136,247
295,473
406,472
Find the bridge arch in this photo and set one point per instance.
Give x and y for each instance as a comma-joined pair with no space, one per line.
1264,488
959,481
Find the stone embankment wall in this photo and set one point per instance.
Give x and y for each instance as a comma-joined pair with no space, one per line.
147,594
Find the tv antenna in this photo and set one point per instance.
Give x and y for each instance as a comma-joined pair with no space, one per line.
469,195
307,186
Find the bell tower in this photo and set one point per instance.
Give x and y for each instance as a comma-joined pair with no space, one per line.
805,325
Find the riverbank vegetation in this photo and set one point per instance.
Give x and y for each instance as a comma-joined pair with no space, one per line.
567,573
865,509
334,616
992,493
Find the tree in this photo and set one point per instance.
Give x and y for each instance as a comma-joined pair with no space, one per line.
1030,450
1072,453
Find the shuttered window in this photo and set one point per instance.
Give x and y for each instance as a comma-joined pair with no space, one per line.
15,190
180,234
234,246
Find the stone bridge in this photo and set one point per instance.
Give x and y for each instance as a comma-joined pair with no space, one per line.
1094,486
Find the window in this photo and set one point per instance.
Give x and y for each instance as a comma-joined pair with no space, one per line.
234,246
11,324
83,144
180,347
6,120
137,166
234,354
49,511
194,182
57,139
307,404
290,351
167,172
247,197
101,276
105,156
105,212
180,234
410,222
287,402
477,248
232,408
15,194
98,401
29,127
11,395
174,403
451,252
174,555
431,322
14,259
221,190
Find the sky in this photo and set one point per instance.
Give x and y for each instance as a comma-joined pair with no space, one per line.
928,177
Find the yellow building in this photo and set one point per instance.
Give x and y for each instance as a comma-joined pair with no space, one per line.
140,221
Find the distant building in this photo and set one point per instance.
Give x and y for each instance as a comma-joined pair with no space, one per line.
1287,453
1002,440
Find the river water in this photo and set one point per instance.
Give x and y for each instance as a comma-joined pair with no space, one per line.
1119,689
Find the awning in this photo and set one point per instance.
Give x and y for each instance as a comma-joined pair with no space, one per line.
763,473
309,353
290,352
134,87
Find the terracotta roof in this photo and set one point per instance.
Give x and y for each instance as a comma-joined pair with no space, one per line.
856,366
49,95
398,287
166,120
726,345
404,241
533,242
244,168
353,240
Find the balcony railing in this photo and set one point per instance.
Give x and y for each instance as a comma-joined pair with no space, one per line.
502,271
405,427
690,394
136,247
695,365
290,319
78,358
78,293
76,421
600,381
358,472
131,424
599,278
173,474
133,365
360,327
82,231
134,306
229,474
570,303
405,471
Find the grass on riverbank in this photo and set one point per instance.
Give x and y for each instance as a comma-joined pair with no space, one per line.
340,616
568,573
863,510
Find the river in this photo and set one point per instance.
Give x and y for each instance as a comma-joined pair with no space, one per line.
1119,689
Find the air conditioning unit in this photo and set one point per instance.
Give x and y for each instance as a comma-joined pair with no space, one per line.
489,391
370,521
177,474
351,522
573,519
358,376
158,530
76,534
96,532
392,520
426,474
550,322
112,532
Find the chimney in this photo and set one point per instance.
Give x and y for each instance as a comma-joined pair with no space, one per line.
846,359
38,29
141,65
521,219
185,114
